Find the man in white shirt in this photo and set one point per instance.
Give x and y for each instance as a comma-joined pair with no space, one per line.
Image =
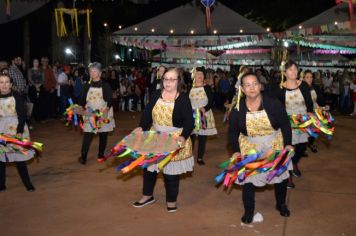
62,89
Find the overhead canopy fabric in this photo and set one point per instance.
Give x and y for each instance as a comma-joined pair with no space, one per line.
18,9
189,19
181,36
330,30
338,13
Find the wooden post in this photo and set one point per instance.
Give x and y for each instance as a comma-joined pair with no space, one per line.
87,43
26,42
56,44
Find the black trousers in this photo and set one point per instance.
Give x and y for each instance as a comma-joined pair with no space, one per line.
201,146
88,137
50,104
142,99
248,195
21,168
300,149
171,183
311,140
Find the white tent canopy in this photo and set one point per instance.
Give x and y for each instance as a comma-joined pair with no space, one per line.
19,9
189,19
181,35
338,13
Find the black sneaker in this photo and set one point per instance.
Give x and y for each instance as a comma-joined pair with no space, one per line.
142,204
296,172
283,210
200,162
82,161
313,148
247,218
30,188
172,209
290,185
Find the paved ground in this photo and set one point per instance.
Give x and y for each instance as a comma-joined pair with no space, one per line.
72,199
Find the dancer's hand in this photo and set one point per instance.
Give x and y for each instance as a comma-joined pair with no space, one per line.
289,148
79,110
181,141
236,155
105,113
137,130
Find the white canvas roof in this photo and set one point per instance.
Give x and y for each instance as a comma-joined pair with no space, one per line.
18,9
339,13
182,20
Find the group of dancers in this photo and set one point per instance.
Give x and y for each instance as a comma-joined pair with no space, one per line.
257,122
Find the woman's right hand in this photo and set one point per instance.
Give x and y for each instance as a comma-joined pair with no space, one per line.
137,130
79,110
236,155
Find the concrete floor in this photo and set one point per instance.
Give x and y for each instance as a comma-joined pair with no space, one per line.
72,199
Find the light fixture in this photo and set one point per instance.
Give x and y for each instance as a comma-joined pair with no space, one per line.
300,26
335,23
152,30
133,59
120,27
105,24
135,28
130,50
171,31
268,29
286,44
241,30
215,31
68,51
117,57
192,32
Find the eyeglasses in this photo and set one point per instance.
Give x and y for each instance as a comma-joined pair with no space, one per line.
170,80
255,84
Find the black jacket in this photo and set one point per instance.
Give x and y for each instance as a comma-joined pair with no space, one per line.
276,113
319,95
182,113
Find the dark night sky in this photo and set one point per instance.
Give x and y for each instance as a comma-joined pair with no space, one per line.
277,14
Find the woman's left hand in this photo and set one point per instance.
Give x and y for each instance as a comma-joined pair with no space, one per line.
289,148
105,113
181,141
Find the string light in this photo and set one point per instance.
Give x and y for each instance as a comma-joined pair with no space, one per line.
268,29
192,32
171,31
152,30
105,24
215,31
300,26
135,28
120,27
241,30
